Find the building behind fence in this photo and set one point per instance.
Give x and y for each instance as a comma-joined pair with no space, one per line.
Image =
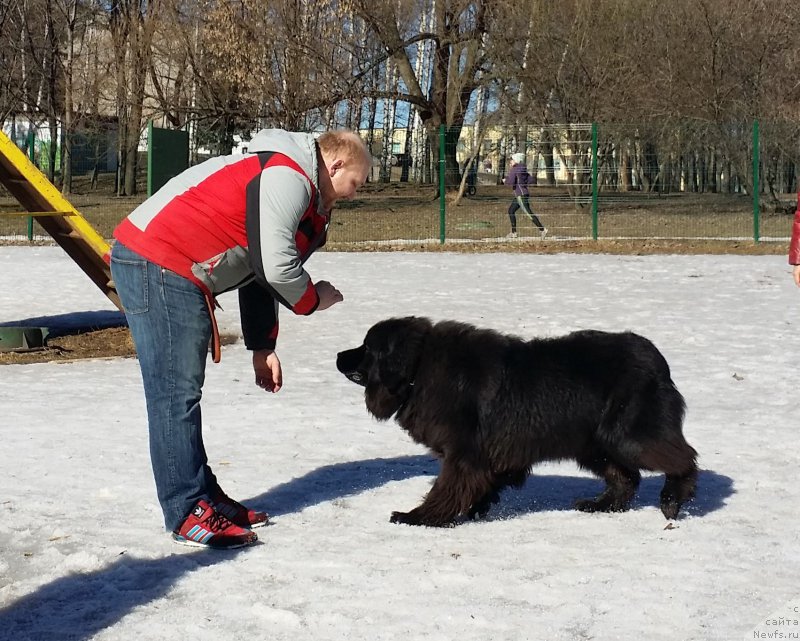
657,180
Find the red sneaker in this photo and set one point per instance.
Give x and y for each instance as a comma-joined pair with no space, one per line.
236,512
205,527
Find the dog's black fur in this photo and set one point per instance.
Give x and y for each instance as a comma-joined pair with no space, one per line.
490,406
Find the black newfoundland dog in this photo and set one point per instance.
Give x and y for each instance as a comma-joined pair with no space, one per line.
490,406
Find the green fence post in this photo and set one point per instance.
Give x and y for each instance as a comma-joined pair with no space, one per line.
594,181
756,187
441,184
32,156
167,155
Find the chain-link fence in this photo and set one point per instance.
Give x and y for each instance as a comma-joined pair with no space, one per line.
93,165
658,180
669,180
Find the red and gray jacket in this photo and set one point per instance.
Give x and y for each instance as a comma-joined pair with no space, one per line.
245,222
794,246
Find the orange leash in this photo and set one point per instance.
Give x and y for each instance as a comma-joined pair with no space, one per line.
216,350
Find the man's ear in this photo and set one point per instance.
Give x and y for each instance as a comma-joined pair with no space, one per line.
335,166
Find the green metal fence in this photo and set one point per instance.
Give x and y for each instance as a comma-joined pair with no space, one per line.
669,180
93,167
665,180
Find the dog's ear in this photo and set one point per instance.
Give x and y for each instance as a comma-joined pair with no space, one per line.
402,350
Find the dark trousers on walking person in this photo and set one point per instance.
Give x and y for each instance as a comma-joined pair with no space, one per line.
523,203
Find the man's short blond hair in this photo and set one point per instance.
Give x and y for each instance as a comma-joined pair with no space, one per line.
343,143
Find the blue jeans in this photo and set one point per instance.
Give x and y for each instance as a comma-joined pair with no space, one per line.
171,329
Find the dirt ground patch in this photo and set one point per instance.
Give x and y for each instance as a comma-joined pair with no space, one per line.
112,342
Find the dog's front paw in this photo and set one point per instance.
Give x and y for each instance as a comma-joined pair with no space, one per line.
418,517
585,505
601,504
478,511
404,517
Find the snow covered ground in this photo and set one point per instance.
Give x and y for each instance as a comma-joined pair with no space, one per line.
83,554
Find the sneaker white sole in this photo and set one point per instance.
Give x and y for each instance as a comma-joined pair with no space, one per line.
254,526
194,544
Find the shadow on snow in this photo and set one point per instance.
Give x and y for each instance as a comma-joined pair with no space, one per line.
73,322
79,606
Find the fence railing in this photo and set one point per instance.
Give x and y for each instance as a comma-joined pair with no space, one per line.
671,180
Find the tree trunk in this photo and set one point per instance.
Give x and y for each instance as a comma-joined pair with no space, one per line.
691,181
453,70
549,158
373,108
52,124
407,146
650,166
70,11
702,169
625,171
389,106
51,57
713,176
132,24
119,38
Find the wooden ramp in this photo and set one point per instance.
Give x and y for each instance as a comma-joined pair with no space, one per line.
42,200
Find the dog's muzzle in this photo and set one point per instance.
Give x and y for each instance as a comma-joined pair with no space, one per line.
349,362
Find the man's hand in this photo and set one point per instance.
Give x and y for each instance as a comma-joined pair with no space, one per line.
267,367
796,275
328,295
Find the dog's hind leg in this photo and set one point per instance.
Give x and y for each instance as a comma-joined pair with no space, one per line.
458,487
677,490
646,432
481,507
678,460
621,485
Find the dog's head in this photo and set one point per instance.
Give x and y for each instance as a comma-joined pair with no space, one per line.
385,364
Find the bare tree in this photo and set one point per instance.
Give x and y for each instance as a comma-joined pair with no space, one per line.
68,10
132,24
269,62
444,97
727,65
688,77
9,59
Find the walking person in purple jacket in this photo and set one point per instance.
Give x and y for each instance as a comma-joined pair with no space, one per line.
518,179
